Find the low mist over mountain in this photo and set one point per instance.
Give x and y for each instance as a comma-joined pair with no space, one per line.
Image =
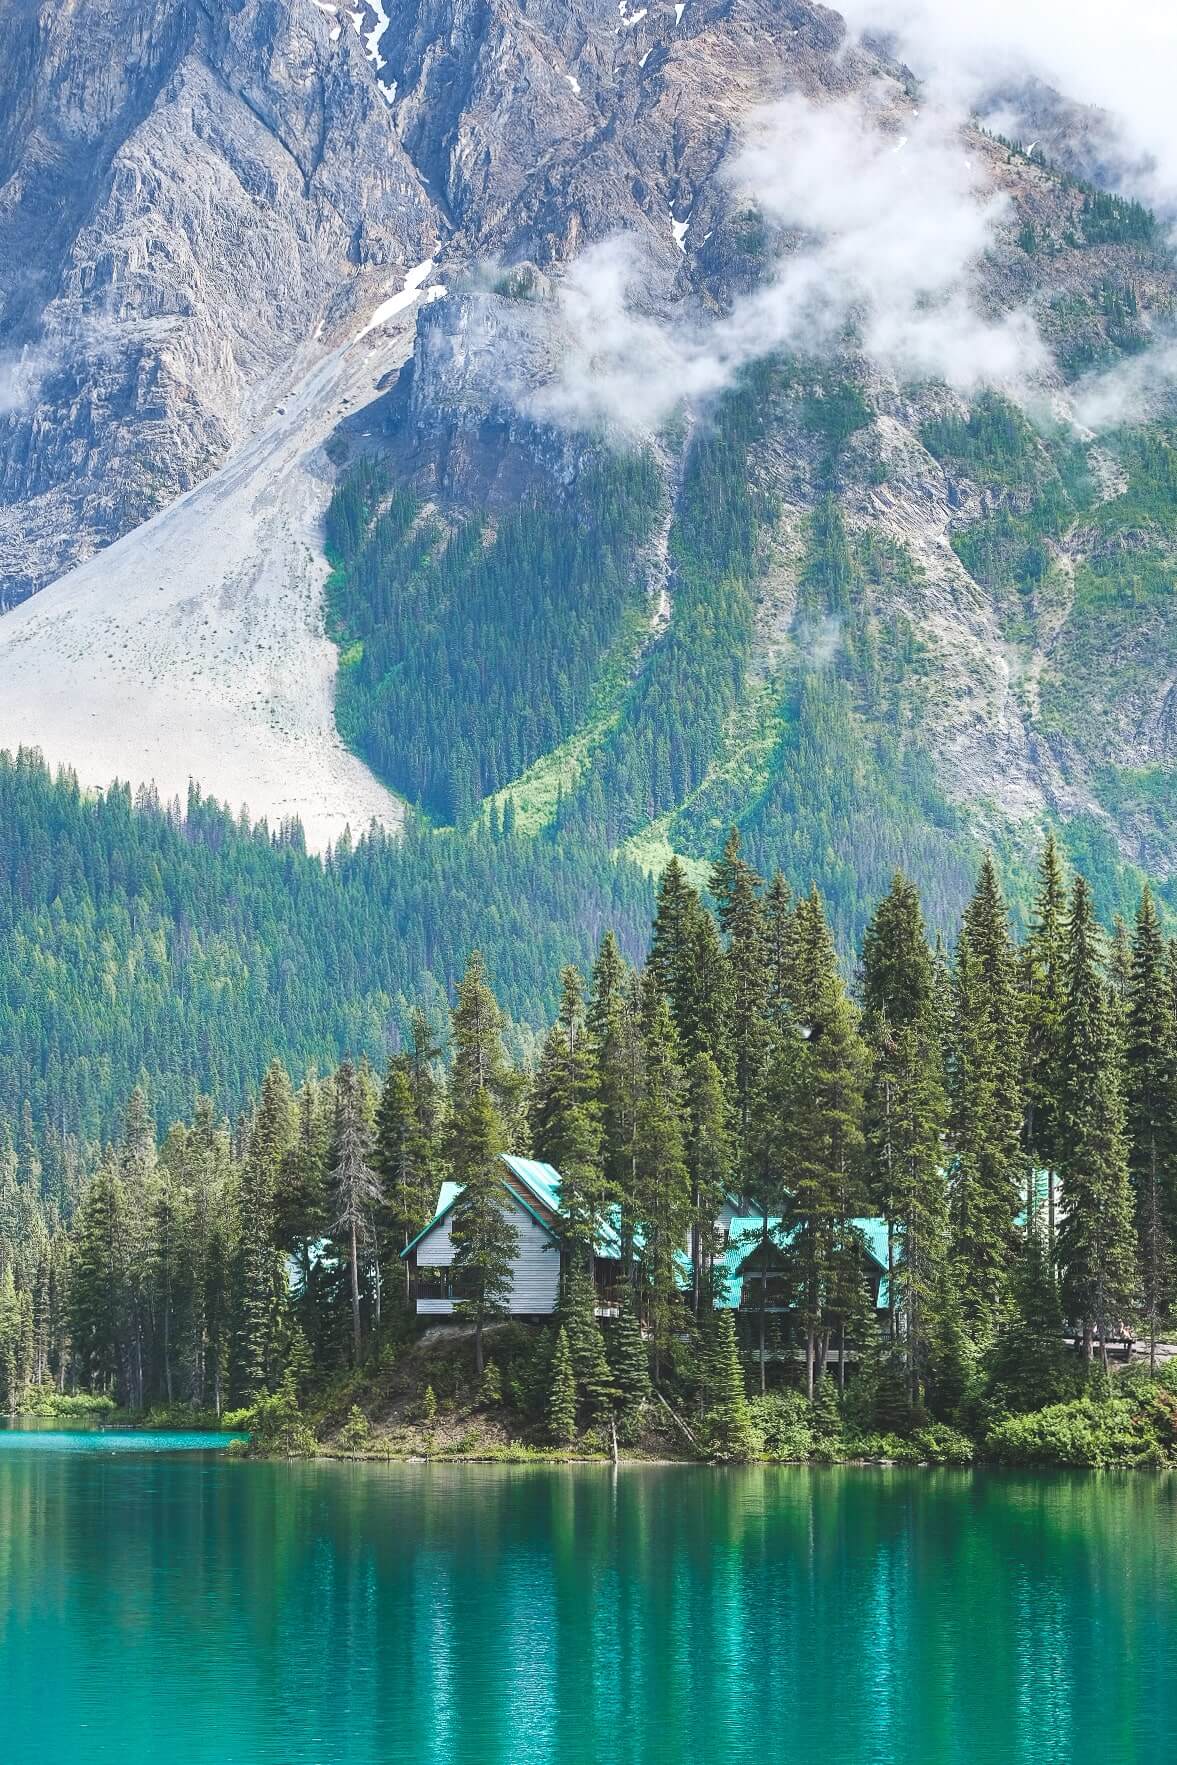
708,412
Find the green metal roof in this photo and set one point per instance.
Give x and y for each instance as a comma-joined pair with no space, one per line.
746,1233
542,1179
448,1195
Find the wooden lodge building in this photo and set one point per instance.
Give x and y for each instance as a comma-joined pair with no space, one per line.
753,1264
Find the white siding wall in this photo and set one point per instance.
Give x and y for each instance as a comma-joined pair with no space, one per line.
537,1268
436,1249
536,1286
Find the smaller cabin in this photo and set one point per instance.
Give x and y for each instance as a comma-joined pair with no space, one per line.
755,1282
532,1191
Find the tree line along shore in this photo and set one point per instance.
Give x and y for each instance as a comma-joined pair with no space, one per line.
1002,1116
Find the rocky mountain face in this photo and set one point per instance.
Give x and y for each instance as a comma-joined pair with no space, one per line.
192,192
190,195
201,201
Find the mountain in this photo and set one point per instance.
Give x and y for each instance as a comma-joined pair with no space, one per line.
190,195
286,264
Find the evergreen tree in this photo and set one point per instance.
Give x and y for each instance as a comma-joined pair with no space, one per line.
824,1172
562,1395
669,961
906,1114
483,1233
780,952
728,1417
771,1151
300,1201
736,889
355,1188
1095,1238
168,1257
663,1192
479,1061
15,1368
1030,1361
630,1367
403,1157
586,1344
1151,1097
709,1157
613,1022
1042,963
261,1277
98,1288
988,1177
566,1128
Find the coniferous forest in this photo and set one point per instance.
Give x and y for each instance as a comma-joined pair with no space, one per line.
1004,1109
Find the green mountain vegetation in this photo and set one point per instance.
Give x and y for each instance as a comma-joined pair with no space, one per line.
794,682
468,654
178,947
1010,1118
185,949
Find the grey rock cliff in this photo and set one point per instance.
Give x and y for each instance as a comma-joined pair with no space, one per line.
190,194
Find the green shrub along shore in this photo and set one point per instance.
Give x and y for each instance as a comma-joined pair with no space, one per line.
386,1414
915,1213
427,1402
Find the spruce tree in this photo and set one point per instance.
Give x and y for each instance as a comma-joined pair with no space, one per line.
630,1367
736,888
300,1199
479,1061
168,1257
1029,1363
709,1155
825,1171
137,1164
906,1114
356,1193
1095,1239
98,1298
663,1192
1151,1097
566,1128
1042,963
613,1065
482,1230
687,962
404,1158
669,961
614,1026
780,952
261,1277
13,1370
562,1394
772,1148
586,1344
988,1176
728,1417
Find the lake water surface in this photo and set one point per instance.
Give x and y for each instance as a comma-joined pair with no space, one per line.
175,1605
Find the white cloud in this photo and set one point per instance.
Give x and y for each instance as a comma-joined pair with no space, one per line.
898,224
1119,59
886,221
21,372
1134,391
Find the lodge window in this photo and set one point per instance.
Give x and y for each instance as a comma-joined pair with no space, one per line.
446,1283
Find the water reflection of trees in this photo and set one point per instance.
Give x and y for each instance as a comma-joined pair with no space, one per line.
453,1614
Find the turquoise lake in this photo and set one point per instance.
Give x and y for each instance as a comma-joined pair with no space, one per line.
177,1605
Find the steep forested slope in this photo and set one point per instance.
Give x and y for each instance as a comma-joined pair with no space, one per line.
186,949
871,617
